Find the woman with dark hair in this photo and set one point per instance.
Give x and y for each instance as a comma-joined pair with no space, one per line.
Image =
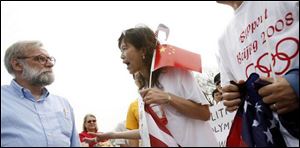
175,90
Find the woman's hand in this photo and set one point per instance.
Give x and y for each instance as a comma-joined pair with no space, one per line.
183,105
154,95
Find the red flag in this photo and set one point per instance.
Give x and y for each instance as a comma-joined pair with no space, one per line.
168,55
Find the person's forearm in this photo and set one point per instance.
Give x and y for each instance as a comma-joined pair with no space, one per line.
189,108
130,134
133,143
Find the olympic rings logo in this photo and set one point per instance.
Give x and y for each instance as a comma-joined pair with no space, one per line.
276,58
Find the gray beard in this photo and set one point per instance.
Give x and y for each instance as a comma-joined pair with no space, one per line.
36,77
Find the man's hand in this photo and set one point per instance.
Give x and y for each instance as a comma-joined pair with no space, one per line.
280,95
232,96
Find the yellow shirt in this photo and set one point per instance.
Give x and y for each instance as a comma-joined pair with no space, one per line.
132,120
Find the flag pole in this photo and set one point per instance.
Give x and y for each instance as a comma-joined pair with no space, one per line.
151,69
164,28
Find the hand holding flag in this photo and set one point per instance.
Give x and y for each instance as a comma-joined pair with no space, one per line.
254,124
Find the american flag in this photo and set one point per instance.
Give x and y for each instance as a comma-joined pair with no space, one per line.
159,134
153,130
254,124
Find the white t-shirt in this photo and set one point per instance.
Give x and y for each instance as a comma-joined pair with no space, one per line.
186,131
245,45
258,30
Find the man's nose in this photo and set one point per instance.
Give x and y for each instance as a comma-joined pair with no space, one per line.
49,63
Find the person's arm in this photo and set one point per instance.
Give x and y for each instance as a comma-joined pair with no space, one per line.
130,134
187,107
124,145
133,143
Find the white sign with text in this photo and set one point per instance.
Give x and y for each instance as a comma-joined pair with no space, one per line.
220,122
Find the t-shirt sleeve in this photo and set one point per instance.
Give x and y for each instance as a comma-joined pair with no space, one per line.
191,88
132,114
182,83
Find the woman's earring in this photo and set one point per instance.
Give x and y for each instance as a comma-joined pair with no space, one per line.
144,57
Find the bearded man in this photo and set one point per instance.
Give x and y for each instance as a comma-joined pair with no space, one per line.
30,115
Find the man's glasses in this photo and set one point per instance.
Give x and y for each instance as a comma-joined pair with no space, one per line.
90,121
41,59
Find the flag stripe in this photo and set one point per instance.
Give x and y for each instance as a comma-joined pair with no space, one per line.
150,111
234,138
155,131
156,142
159,134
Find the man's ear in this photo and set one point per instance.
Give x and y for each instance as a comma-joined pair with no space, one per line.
16,65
